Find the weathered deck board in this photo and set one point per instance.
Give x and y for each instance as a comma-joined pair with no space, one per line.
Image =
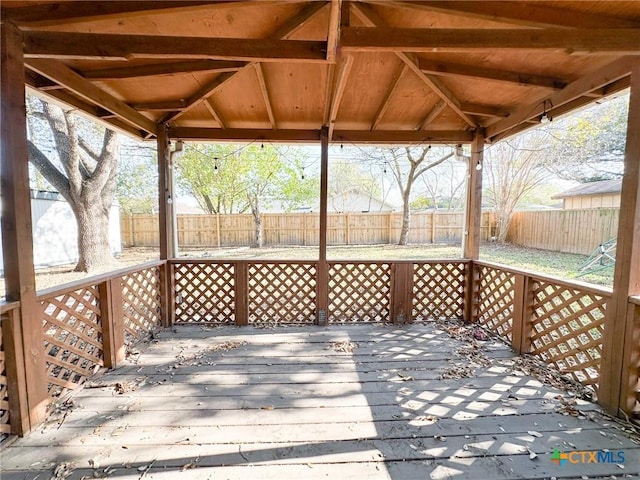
284,405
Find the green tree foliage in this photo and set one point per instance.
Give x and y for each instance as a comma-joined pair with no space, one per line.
236,179
137,187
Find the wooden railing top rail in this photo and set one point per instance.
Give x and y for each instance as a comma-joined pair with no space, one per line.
635,300
87,282
583,286
333,262
8,306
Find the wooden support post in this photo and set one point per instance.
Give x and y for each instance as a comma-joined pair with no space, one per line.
522,314
401,303
473,212
323,266
17,239
613,392
165,222
471,283
241,281
167,295
111,317
14,366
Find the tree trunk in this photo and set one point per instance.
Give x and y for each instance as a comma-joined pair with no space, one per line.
406,220
93,237
257,220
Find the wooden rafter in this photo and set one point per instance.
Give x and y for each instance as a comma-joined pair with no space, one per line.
613,41
160,106
437,109
93,46
283,32
483,110
66,77
460,70
606,75
372,19
333,36
208,103
533,14
158,69
77,12
387,98
293,135
344,67
265,94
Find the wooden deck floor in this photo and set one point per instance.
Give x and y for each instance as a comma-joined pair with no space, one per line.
248,404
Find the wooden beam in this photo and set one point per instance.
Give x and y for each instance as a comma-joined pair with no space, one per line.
160,69
428,40
168,106
283,32
483,110
338,91
403,136
615,392
333,35
535,14
322,282
57,14
387,98
63,75
107,46
265,94
244,134
17,236
437,109
214,112
473,212
606,75
518,78
372,19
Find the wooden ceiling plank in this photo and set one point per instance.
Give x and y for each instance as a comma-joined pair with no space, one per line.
534,14
108,46
344,68
388,97
289,27
244,134
427,40
265,94
159,69
208,103
74,82
57,14
483,73
160,106
333,35
372,19
606,75
437,109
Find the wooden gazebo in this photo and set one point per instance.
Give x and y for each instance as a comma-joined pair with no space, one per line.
405,72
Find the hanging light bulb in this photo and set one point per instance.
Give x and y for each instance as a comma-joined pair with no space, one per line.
546,117
302,174
384,168
215,165
262,145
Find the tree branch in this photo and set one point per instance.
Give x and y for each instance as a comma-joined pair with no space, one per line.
49,171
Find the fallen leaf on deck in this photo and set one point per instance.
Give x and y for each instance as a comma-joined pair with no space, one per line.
533,433
344,346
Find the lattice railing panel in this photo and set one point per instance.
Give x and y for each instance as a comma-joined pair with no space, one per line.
282,293
204,293
438,290
141,303
72,338
495,301
5,421
359,292
567,330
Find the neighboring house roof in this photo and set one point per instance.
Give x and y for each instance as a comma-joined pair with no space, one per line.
592,188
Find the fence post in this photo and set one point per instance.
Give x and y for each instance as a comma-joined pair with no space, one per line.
241,280
401,304
112,321
522,314
16,380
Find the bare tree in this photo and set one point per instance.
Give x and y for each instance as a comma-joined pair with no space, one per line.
511,170
445,184
85,177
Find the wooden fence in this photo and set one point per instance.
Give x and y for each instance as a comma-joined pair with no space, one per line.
302,229
569,231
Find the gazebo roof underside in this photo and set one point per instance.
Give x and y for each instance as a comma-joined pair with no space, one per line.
370,71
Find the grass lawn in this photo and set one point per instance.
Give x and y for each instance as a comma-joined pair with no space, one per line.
563,265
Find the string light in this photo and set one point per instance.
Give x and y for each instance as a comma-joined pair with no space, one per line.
546,117
215,164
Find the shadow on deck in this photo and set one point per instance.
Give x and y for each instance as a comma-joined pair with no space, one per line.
369,401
